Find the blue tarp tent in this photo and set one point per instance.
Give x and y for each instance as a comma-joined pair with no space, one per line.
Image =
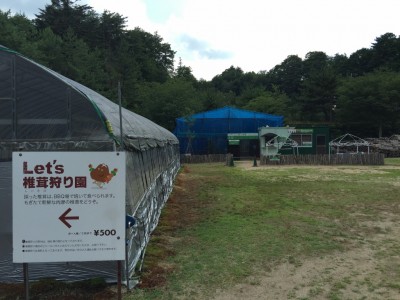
206,132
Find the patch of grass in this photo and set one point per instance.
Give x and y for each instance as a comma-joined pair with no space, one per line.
392,161
249,220
316,291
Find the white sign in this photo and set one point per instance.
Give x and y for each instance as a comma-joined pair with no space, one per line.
68,206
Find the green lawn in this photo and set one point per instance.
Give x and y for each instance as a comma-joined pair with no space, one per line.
249,220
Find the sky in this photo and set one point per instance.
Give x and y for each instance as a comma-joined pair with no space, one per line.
256,35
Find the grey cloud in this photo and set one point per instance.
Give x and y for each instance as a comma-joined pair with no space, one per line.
202,48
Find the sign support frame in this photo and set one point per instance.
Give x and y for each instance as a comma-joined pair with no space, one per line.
25,270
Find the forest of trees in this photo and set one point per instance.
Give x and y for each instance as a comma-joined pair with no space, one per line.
359,93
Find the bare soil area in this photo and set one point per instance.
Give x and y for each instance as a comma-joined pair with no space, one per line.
358,273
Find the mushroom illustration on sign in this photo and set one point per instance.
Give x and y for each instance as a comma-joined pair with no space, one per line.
101,174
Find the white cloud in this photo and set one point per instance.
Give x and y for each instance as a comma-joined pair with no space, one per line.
260,33
134,10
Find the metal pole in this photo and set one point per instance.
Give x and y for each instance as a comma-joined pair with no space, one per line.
120,115
127,264
26,280
119,263
119,284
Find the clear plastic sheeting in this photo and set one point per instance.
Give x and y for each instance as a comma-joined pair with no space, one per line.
41,110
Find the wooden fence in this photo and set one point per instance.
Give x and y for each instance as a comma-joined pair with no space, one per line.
309,159
325,159
197,159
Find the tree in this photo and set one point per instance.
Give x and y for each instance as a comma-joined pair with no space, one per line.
163,103
153,57
273,102
360,62
340,65
289,75
81,64
63,14
111,30
231,80
386,52
314,62
373,99
318,89
184,72
17,33
318,95
50,50
210,97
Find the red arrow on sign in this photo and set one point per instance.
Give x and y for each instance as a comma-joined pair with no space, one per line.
63,218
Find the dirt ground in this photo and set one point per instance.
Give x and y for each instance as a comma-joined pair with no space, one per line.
354,274
46,290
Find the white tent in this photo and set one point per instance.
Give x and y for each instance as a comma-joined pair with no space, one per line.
346,141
